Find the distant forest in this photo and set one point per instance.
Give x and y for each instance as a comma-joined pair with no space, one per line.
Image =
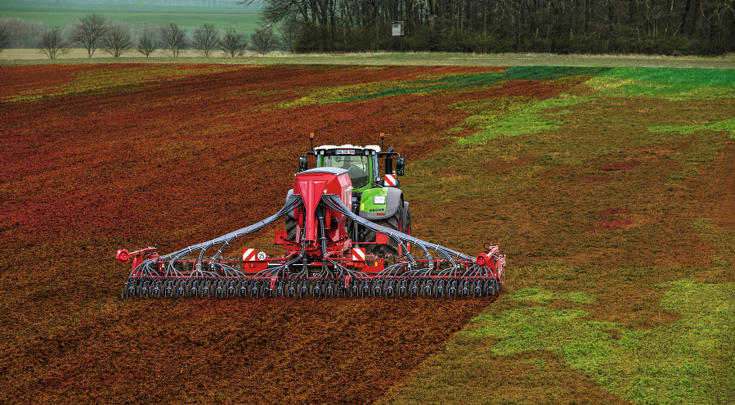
672,27
668,27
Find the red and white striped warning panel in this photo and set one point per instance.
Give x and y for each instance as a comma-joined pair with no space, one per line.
250,255
358,254
390,179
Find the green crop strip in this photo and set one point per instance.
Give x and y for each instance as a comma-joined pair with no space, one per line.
724,125
485,112
666,83
704,149
538,294
526,121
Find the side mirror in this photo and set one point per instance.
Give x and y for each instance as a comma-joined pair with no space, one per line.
399,166
303,163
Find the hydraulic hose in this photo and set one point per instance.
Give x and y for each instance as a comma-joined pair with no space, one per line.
333,201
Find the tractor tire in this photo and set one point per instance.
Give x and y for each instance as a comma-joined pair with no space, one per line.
383,250
401,222
291,226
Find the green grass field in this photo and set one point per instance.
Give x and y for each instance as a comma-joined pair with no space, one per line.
242,18
245,22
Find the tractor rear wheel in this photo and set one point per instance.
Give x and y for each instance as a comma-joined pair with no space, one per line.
391,247
400,222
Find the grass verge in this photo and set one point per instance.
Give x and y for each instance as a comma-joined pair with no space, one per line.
32,56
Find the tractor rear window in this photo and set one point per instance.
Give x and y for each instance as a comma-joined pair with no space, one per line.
358,167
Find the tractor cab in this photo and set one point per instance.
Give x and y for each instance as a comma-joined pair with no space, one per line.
360,162
376,196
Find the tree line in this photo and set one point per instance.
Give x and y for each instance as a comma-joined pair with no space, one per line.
670,27
703,27
95,32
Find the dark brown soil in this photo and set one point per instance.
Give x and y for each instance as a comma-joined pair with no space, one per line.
306,351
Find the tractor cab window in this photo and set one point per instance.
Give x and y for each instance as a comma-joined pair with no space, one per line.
357,167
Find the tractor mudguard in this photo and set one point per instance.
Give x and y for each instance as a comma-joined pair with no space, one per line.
371,211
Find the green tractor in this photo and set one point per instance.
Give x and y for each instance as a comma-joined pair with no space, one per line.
376,196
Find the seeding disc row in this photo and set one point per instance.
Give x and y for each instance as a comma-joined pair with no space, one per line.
314,267
150,287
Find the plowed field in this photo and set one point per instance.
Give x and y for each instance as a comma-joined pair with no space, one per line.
610,190
101,157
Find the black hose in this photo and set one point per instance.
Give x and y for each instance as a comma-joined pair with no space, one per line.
334,202
291,203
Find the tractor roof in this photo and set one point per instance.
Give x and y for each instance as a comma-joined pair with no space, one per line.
375,148
329,170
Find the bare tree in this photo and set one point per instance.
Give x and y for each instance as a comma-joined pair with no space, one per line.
147,37
21,34
289,30
52,43
173,39
206,39
233,43
147,43
264,40
88,31
117,40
